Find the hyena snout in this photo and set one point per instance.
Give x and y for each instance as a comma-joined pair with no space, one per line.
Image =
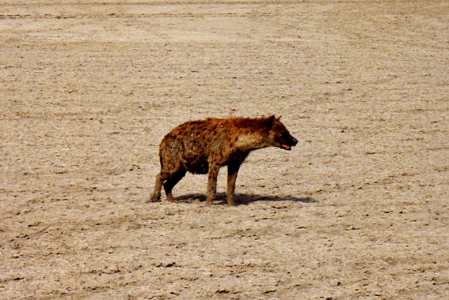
294,141
288,143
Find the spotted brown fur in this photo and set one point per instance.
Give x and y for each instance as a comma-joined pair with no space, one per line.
204,146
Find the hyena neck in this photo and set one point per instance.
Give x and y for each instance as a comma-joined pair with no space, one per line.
249,141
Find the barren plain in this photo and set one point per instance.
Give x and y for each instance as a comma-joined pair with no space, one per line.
358,209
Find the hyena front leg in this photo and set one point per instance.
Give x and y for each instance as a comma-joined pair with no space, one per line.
212,183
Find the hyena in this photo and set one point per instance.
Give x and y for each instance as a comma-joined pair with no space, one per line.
204,146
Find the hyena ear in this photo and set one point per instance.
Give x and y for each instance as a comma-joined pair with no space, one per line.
269,121
279,118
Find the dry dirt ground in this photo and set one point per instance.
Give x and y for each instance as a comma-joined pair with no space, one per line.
358,210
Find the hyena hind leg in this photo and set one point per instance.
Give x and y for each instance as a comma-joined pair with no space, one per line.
233,170
171,182
156,196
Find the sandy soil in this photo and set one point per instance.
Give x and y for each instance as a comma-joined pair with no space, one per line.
358,210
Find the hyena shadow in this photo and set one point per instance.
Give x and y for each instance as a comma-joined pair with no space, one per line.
243,199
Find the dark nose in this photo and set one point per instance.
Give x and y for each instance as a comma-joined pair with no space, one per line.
295,141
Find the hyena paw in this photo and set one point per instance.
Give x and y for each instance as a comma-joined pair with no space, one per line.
154,198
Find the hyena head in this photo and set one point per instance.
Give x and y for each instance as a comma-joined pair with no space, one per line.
278,135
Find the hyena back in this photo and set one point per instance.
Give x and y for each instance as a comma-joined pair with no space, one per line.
203,147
